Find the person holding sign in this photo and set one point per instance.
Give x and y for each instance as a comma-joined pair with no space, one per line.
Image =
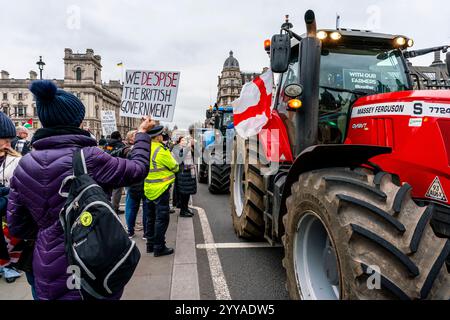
35,201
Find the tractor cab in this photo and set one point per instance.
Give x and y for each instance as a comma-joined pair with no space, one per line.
353,64
223,119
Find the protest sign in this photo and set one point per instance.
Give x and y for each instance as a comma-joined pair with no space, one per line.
361,79
150,93
109,124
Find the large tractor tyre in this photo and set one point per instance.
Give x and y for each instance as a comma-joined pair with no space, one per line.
247,192
351,234
219,175
202,172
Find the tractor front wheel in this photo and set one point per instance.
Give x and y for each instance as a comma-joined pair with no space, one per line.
353,234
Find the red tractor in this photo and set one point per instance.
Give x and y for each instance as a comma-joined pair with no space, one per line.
358,192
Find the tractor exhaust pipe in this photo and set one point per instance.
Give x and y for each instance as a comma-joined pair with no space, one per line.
307,117
311,26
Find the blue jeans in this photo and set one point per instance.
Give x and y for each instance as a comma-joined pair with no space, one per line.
132,204
30,280
158,221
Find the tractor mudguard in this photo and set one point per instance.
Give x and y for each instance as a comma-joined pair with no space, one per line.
326,156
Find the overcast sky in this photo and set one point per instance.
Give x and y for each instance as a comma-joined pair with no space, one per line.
193,37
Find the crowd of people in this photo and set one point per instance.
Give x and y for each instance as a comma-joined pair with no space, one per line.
148,164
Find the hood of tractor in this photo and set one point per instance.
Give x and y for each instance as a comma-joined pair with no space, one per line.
416,125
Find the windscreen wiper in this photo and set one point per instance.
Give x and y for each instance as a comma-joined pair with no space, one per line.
355,92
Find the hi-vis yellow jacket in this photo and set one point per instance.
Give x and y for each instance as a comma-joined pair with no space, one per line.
162,171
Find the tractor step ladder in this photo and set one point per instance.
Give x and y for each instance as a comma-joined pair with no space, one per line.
268,217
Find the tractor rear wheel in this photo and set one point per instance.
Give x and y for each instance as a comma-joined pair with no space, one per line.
247,192
353,234
219,175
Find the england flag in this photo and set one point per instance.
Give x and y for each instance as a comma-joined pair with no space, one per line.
253,108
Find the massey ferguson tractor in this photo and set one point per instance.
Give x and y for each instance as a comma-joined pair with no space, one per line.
352,172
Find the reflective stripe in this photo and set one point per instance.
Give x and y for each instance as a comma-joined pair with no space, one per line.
154,157
161,180
158,170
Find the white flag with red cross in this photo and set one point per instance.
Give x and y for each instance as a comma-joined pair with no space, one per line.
253,108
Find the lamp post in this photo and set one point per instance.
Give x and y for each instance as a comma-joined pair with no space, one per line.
41,65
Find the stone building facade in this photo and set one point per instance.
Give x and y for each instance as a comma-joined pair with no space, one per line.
83,78
231,80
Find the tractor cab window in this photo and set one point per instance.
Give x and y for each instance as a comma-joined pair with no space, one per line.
227,119
223,119
347,74
289,77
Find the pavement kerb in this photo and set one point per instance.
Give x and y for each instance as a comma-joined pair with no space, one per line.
185,283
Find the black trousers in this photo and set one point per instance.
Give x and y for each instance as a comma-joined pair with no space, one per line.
158,220
184,201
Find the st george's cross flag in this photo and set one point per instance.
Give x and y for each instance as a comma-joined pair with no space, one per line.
252,109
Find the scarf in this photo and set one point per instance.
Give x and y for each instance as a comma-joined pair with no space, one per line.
58,131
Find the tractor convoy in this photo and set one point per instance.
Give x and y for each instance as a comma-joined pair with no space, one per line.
359,195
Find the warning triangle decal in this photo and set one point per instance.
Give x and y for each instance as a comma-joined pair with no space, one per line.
282,158
436,191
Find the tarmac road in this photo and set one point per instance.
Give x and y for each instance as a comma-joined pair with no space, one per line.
249,273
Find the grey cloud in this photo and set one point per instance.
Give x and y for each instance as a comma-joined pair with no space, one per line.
193,37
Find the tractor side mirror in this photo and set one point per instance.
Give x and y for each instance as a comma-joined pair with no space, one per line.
280,52
447,60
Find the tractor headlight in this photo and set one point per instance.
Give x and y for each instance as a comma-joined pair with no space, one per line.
335,36
293,90
322,35
400,41
410,43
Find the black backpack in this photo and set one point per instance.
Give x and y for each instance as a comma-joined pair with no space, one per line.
95,239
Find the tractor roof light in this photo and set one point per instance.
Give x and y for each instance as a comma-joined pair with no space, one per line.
267,44
400,41
295,104
335,36
322,35
410,42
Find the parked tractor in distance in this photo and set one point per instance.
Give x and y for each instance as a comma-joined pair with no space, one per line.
214,168
362,185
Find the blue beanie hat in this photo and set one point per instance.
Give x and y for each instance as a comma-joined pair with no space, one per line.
7,128
56,107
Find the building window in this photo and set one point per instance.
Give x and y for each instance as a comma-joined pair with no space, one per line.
6,110
34,111
78,74
95,76
21,111
20,97
5,96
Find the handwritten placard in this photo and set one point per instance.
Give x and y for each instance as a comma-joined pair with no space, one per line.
150,93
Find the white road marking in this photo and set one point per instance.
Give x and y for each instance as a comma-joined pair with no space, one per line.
218,278
237,245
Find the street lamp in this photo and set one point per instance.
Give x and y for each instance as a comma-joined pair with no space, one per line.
41,65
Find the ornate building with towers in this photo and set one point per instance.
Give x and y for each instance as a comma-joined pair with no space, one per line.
83,78
231,81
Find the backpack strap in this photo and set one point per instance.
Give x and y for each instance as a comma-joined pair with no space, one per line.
79,168
79,163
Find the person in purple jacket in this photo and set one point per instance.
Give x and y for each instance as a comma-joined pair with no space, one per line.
34,202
